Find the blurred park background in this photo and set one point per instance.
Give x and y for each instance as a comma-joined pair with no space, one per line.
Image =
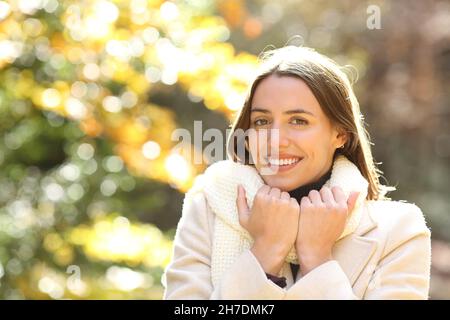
91,90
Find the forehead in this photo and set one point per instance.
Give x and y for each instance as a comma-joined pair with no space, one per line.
280,93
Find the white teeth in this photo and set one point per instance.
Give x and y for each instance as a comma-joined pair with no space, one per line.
283,162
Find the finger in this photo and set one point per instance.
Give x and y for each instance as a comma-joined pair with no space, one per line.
339,195
327,196
315,198
351,202
294,203
263,190
275,193
285,196
242,207
305,202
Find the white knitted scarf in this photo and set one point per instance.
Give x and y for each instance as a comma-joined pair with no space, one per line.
219,185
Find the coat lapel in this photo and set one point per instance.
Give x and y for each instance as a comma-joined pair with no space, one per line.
354,251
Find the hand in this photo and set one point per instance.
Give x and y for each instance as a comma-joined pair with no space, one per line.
272,222
323,217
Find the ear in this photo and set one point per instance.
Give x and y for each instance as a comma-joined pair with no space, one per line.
341,138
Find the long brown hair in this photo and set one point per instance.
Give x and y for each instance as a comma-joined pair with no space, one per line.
334,92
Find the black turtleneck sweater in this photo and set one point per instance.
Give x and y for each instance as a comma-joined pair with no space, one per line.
298,194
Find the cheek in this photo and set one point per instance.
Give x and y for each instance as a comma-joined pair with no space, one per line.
304,139
313,142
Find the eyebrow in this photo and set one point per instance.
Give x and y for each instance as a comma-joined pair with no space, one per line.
293,111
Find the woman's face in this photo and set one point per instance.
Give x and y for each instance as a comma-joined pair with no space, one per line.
307,140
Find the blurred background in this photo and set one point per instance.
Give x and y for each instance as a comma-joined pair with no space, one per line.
91,90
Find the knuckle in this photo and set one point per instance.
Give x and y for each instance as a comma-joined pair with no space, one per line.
293,202
321,206
304,201
274,200
324,189
275,192
262,189
313,193
265,199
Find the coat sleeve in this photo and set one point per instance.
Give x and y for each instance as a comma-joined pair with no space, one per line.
403,271
188,275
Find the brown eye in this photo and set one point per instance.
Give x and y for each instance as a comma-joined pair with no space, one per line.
260,122
299,121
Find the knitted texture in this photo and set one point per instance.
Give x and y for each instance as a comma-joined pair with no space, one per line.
219,184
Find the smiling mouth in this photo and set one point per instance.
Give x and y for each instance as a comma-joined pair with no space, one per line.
283,162
274,166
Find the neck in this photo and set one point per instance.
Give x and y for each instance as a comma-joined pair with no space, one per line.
303,191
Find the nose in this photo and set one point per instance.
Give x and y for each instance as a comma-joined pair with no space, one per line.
279,137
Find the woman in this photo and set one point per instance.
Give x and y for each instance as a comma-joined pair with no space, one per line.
307,220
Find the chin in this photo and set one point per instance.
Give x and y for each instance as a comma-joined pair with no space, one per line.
280,184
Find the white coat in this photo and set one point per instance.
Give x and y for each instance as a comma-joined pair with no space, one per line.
385,254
